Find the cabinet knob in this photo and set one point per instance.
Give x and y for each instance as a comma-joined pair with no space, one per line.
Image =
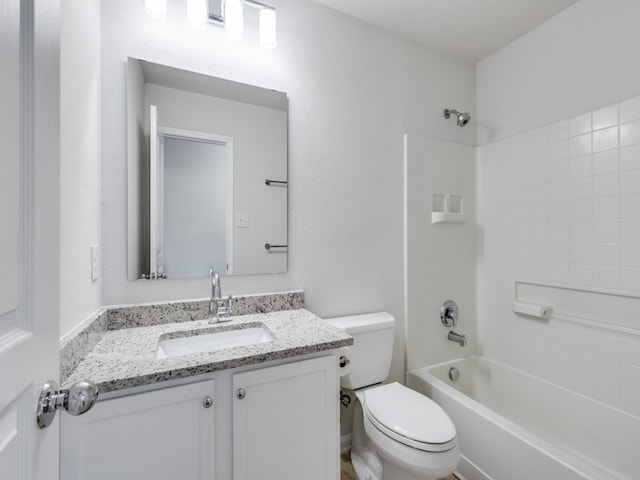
241,393
207,401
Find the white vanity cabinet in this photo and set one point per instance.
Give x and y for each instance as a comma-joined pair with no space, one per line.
285,422
162,434
277,422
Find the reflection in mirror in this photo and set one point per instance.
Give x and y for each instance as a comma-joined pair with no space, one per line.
200,150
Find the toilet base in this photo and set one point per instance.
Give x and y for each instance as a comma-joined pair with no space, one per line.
369,464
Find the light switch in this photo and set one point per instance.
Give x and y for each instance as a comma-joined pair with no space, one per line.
242,220
95,261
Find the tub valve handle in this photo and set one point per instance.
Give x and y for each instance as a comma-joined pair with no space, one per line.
449,313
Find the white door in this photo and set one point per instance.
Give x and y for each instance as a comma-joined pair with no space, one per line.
156,193
29,233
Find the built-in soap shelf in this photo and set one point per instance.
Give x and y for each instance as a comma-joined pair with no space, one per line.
447,208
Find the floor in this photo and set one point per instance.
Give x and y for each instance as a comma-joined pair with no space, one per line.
346,470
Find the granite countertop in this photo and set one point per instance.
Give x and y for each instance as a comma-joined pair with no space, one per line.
125,358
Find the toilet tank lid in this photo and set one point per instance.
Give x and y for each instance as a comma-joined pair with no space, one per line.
367,322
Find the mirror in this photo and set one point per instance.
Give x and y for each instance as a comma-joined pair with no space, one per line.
207,175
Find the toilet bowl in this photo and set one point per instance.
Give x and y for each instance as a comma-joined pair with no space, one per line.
398,433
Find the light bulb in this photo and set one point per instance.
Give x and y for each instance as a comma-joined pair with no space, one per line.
156,8
267,28
234,18
197,13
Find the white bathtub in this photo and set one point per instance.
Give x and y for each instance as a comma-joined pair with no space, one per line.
512,425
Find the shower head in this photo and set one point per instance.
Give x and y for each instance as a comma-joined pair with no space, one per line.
462,118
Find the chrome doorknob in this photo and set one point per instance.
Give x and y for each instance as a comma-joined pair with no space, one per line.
76,400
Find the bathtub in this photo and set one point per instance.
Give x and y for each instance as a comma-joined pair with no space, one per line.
512,425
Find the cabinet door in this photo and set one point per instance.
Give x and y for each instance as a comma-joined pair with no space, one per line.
285,422
164,434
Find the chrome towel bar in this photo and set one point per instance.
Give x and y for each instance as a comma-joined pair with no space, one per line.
278,182
268,246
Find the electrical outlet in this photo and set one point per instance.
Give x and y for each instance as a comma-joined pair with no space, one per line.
95,262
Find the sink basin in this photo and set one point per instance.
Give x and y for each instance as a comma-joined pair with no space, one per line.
198,342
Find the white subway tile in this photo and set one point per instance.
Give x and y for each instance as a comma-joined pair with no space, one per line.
580,166
580,124
581,275
630,110
605,277
558,272
605,162
630,157
581,210
558,131
629,133
580,232
605,139
605,117
538,137
558,231
630,181
558,191
630,254
630,279
580,188
606,254
558,170
606,231
558,150
630,206
606,208
580,145
604,185
630,230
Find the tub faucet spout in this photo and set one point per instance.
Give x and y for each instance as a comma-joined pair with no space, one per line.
459,338
218,305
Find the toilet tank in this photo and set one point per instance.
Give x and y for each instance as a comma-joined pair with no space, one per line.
371,350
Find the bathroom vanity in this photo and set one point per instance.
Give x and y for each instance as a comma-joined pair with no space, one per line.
267,410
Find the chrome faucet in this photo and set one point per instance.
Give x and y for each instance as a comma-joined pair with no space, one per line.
459,338
218,305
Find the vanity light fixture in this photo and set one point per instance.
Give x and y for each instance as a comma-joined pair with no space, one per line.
156,8
197,13
231,17
234,18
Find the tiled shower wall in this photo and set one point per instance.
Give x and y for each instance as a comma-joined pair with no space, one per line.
560,205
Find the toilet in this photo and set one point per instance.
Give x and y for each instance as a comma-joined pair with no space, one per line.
398,433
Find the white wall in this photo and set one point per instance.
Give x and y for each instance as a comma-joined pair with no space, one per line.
440,262
80,177
353,91
559,203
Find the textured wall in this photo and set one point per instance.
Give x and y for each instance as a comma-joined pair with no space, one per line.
79,159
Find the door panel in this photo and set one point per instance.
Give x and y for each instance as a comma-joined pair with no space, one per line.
29,233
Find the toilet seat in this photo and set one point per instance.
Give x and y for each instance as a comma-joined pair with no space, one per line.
409,418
